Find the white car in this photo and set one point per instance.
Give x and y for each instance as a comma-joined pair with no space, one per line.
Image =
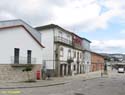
120,70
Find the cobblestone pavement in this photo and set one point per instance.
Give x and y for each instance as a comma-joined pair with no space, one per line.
53,81
114,84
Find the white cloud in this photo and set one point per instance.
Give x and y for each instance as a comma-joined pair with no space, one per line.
81,14
6,16
114,9
122,32
113,4
74,13
85,15
34,12
109,46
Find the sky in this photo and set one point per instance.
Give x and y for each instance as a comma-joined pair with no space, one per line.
100,21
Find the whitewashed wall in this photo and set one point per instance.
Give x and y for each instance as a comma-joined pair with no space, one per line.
65,53
80,52
17,37
86,44
47,39
65,35
86,55
87,61
80,59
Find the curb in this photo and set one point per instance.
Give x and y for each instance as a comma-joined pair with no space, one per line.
95,78
37,86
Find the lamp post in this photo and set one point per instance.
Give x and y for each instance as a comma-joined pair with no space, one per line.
44,70
105,67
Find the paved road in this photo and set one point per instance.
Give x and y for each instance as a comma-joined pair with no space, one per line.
113,85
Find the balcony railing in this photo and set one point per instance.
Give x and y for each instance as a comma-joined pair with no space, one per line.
22,60
77,46
63,40
70,60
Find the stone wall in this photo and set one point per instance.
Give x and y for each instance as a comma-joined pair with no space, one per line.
15,73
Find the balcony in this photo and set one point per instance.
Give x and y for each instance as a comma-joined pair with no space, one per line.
22,61
70,60
78,46
63,40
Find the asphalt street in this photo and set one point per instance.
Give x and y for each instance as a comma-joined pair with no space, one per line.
114,84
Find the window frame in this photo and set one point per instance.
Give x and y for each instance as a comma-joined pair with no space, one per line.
16,55
69,53
74,54
29,56
61,52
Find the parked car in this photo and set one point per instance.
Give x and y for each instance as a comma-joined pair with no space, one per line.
121,70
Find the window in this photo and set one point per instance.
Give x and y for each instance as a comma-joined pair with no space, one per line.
74,54
29,56
68,38
68,35
16,55
80,55
61,51
60,33
69,53
74,67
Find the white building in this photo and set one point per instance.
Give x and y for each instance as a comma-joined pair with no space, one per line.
20,45
86,55
63,54
78,53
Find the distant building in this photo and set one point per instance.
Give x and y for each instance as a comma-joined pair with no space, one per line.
20,47
117,57
97,61
86,55
78,55
64,50
114,58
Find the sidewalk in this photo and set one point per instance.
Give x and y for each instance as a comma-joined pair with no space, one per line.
53,81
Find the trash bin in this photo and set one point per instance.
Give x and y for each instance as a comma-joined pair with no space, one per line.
38,75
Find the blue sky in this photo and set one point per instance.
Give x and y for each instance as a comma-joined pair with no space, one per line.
113,31
101,21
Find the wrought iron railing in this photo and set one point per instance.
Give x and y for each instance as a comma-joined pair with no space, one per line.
78,46
22,60
63,40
